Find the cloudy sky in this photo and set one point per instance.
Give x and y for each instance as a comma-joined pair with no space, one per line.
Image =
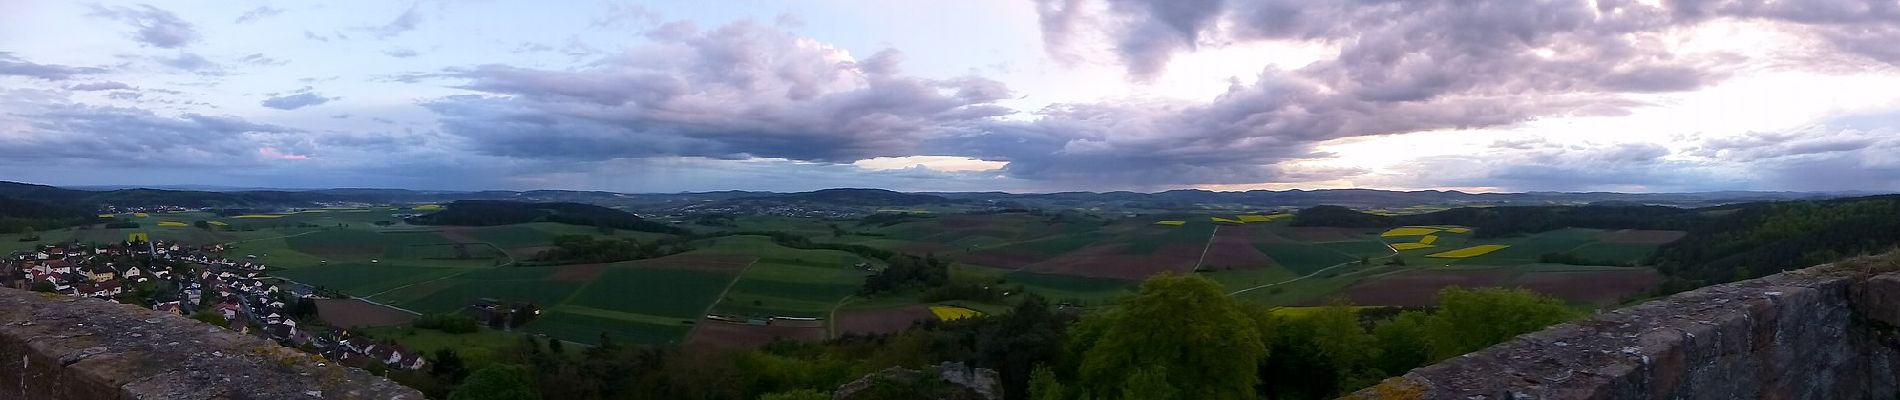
1011,95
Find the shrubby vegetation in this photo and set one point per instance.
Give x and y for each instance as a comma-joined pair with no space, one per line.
449,323
907,272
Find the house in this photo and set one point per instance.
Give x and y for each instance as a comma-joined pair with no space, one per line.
415,363
108,289
170,307
281,331
100,273
229,310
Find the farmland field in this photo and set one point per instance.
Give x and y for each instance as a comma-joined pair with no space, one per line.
654,291
363,279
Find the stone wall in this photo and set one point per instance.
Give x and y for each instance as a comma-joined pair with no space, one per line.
56,347
1819,333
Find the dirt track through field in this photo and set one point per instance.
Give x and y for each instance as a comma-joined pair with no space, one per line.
1209,245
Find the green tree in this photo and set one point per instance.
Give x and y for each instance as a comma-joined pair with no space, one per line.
1468,320
1180,330
1345,346
497,382
1043,385
1404,342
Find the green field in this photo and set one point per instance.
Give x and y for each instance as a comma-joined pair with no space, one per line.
654,291
780,289
465,292
1528,249
1304,258
581,328
363,279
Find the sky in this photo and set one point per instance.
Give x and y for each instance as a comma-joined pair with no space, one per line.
979,95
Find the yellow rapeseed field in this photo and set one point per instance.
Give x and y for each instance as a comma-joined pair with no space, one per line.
1171,223
1411,246
1459,230
105,215
218,223
141,215
1469,252
1428,239
174,224
1225,221
952,313
428,207
1409,231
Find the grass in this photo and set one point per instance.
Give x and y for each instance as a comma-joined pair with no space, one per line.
664,292
464,292
1616,252
1469,252
587,329
1530,249
1083,290
1303,258
776,289
1238,279
476,349
363,279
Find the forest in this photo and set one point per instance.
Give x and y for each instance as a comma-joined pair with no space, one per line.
497,212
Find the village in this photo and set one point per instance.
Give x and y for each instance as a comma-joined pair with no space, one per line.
200,282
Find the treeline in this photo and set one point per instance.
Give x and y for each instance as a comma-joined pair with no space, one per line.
18,215
570,249
1757,239
800,242
1177,338
907,272
1514,220
498,212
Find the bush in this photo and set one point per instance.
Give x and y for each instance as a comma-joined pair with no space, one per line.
449,323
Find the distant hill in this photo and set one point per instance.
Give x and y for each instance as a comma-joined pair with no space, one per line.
17,214
1189,199
497,212
1514,220
853,197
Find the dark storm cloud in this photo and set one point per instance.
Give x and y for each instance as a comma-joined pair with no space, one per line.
295,100
1402,66
10,65
741,91
154,27
98,86
1152,31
